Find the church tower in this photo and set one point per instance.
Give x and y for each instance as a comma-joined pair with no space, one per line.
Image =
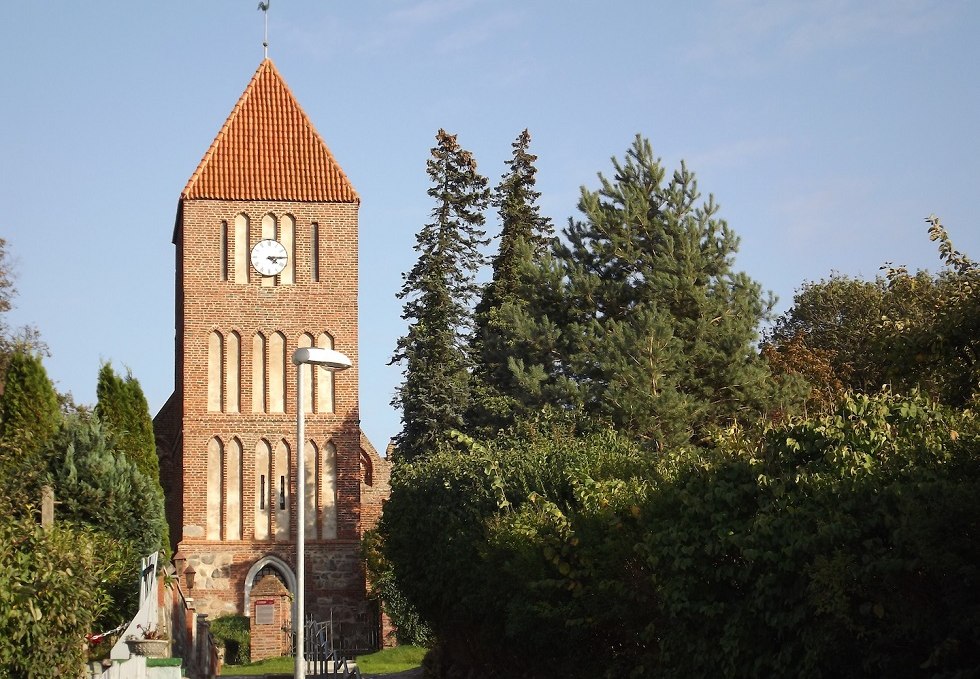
266,240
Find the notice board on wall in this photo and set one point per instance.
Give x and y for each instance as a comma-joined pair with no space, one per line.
265,612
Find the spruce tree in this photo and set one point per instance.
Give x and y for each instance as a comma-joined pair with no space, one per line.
525,237
656,332
438,293
101,485
520,221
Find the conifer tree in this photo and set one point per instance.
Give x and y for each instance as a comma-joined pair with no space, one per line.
123,408
525,237
99,484
438,293
29,418
655,333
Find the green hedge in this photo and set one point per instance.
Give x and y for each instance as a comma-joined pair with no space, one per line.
840,547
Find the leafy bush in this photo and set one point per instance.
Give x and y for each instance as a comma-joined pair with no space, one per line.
908,330
843,546
49,597
446,534
233,632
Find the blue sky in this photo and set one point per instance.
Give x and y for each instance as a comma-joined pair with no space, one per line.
827,130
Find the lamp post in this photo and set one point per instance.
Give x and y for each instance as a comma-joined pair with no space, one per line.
333,361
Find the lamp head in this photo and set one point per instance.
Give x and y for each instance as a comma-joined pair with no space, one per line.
325,358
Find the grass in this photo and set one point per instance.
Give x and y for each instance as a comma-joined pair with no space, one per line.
282,665
387,661
397,659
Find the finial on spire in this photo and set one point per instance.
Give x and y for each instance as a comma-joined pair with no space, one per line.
264,6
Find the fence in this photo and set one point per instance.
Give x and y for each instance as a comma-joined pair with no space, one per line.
323,659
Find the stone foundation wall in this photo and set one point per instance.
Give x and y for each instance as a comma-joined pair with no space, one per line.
334,578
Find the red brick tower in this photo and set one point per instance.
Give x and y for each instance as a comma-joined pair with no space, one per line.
266,237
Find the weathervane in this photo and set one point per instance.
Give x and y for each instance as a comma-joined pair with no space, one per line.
264,6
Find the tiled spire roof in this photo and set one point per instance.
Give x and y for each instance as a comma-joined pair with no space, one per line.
269,150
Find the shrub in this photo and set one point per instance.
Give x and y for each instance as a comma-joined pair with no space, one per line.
841,546
49,597
233,632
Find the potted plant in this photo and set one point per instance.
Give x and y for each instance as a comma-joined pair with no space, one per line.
152,643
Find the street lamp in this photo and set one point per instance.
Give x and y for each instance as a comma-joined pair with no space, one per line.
333,361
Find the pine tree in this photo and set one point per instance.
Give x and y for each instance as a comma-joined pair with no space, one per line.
656,331
525,237
438,293
29,418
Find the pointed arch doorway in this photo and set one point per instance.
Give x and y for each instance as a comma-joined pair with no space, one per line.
269,567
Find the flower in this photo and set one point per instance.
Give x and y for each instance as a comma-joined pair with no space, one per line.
153,633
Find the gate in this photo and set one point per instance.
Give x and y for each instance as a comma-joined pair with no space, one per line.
322,659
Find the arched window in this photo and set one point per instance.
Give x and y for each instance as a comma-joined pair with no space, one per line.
223,251
233,490
214,371
258,373
280,490
268,231
328,491
315,252
306,340
233,371
310,503
324,379
367,469
277,373
241,249
263,489
287,236
214,499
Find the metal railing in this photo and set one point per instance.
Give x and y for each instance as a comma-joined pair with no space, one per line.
322,659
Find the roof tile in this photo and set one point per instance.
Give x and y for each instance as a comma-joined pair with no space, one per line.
269,150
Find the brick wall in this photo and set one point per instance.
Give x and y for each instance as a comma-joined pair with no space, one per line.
375,486
205,303
268,635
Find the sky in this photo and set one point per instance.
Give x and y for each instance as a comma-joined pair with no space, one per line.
827,130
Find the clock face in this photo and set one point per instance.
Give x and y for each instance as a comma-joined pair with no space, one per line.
269,257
